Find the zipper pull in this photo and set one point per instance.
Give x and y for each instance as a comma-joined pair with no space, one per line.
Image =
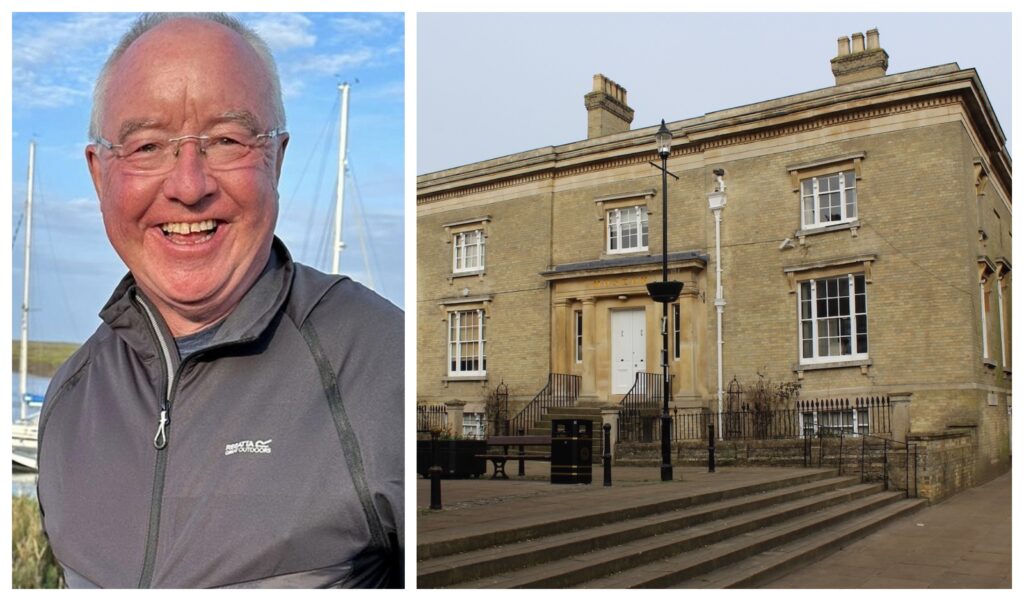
160,440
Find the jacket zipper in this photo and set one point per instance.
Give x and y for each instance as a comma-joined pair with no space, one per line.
160,442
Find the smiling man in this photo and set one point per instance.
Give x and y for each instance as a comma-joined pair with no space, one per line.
237,418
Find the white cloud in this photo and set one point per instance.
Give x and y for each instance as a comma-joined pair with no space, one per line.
283,31
361,26
335,64
56,58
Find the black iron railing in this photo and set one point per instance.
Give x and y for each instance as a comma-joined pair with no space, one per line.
562,390
876,458
431,417
639,415
859,415
640,409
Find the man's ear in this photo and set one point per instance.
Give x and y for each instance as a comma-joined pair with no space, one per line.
280,156
92,160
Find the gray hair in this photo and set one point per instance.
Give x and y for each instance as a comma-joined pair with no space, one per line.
150,20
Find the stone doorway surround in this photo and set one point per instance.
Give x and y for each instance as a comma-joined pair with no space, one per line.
596,289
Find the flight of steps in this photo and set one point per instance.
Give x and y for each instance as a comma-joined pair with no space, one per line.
748,536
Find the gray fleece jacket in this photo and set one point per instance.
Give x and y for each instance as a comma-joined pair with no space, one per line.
271,458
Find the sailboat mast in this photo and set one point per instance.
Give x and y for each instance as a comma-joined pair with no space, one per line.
342,159
23,384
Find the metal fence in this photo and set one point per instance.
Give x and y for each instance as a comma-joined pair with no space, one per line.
859,416
431,417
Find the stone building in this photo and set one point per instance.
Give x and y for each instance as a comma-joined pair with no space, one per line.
865,240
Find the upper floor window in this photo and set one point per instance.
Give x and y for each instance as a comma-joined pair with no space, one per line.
828,199
468,251
833,319
627,229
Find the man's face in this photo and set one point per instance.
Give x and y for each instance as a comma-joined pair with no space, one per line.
186,77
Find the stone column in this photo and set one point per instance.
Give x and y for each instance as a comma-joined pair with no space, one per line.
455,409
588,381
900,423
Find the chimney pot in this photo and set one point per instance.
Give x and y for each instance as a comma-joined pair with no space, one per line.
858,42
844,46
872,39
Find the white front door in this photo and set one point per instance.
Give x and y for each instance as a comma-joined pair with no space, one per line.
629,348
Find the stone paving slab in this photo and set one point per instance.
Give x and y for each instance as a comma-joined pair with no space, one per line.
963,542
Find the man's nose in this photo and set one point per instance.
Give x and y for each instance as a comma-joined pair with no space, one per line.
189,180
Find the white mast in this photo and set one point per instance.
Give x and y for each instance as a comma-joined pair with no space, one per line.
23,385
342,151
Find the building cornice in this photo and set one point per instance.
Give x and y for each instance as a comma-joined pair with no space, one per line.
901,93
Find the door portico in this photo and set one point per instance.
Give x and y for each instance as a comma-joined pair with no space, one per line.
605,328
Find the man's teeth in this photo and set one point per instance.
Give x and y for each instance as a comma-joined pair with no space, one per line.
188,228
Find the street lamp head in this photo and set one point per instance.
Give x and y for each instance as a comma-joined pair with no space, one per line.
664,140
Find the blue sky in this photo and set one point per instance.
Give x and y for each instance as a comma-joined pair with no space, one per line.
519,79
55,59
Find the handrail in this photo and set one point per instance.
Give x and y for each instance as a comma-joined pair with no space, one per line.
646,392
830,433
561,390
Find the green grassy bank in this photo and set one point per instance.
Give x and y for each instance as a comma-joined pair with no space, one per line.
33,563
43,357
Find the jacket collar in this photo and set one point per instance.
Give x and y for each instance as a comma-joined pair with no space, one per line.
245,323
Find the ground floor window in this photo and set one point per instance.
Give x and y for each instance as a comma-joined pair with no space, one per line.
833,319
675,330
849,421
578,335
474,425
466,343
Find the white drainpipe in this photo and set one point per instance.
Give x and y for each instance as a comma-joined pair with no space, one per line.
716,202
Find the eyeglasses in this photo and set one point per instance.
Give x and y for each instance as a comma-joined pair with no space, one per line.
225,147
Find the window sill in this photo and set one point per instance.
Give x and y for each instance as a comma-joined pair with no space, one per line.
478,378
800,368
464,274
801,234
612,254
988,363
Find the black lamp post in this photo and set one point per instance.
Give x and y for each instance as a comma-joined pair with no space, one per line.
664,292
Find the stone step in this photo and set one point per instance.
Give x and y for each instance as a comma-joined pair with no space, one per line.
773,564
629,563
582,517
475,565
721,555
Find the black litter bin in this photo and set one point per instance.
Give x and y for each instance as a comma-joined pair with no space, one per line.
571,451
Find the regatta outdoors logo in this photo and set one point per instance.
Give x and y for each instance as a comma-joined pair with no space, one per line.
248,446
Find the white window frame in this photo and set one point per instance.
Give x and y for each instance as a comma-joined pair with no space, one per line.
812,322
577,319
624,218
468,251
474,425
854,421
461,341
676,337
812,196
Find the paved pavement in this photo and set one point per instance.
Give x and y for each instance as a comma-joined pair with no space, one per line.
963,542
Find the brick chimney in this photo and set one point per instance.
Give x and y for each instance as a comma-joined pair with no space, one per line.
861,63
607,111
